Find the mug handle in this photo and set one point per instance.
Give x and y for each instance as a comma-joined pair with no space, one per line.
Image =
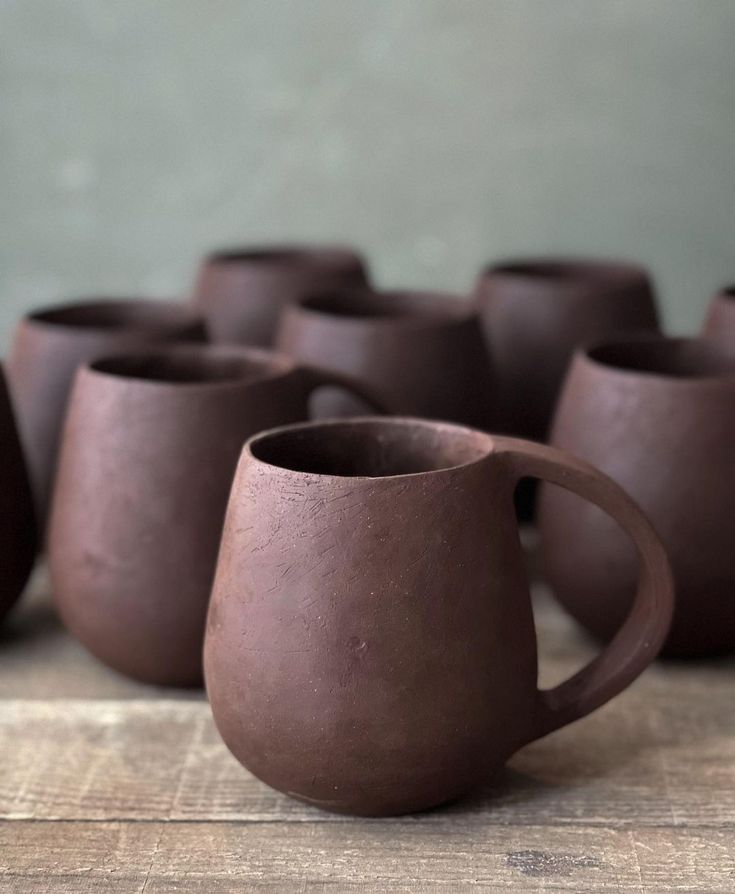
315,377
638,641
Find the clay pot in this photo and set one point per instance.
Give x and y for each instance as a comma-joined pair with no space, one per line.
658,415
370,644
17,525
149,451
536,312
421,352
48,347
719,323
243,291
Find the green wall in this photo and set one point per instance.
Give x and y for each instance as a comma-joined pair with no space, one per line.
436,134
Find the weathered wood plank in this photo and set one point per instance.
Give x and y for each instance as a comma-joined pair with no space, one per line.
383,855
656,756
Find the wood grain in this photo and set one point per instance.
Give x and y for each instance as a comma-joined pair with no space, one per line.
652,757
386,855
106,784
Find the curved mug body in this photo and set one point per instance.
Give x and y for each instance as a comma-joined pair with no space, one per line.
658,416
150,447
370,645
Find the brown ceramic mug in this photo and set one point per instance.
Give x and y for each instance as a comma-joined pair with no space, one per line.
17,523
537,311
48,347
370,643
243,291
658,416
422,352
149,450
719,323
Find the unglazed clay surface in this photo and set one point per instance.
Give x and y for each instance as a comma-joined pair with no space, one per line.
370,645
658,416
149,452
536,312
243,291
421,352
719,324
48,347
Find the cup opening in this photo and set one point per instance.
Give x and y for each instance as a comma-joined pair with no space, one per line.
568,270
275,255
187,368
675,358
366,305
370,448
117,314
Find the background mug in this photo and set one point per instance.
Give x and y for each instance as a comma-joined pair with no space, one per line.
243,291
48,347
658,416
421,352
150,447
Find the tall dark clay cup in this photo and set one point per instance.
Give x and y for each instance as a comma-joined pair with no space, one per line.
150,447
422,352
658,416
370,644
243,291
48,347
719,324
537,311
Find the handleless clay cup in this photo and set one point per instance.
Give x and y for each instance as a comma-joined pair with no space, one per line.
536,312
370,643
48,347
719,323
150,447
17,523
658,416
243,291
422,352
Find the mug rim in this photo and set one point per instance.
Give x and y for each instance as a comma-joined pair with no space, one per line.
567,270
284,254
140,314
590,354
443,308
266,365
485,445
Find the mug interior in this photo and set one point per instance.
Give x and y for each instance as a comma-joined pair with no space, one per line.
676,358
274,255
568,270
342,259
117,314
370,448
385,305
188,367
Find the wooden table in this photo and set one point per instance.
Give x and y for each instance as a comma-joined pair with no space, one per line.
107,785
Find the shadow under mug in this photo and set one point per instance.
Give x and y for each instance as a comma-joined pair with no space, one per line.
150,446
370,643
48,347
242,291
658,416
421,352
